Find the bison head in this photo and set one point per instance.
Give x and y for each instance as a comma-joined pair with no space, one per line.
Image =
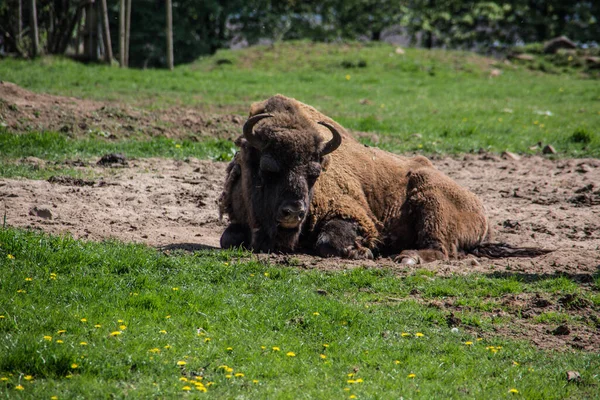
283,159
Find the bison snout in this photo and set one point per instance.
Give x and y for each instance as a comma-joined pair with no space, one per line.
291,214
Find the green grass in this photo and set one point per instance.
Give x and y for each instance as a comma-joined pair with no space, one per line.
216,308
446,97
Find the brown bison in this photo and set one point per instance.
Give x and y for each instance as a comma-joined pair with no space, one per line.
300,181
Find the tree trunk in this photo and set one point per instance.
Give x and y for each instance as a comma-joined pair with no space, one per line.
35,41
169,35
20,21
90,44
127,30
108,56
122,34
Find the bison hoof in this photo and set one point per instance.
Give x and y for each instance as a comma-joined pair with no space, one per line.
408,259
362,253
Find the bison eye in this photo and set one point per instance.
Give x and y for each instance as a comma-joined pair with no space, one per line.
268,164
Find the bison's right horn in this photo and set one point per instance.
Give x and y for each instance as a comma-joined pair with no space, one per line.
334,143
249,125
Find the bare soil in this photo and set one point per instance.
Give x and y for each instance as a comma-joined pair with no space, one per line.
169,204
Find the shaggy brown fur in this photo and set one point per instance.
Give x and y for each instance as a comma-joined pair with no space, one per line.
365,200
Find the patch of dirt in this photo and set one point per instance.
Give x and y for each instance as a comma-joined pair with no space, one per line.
23,111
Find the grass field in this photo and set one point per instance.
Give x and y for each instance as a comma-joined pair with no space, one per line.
91,320
448,98
96,320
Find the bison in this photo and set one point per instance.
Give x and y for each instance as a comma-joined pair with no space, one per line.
300,181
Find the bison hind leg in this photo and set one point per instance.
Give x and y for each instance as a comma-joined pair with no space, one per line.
236,235
339,238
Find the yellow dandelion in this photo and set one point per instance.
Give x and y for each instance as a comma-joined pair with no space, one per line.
178,146
28,279
325,345
21,291
162,331
479,339
405,334
515,363
175,289
323,356
183,379
10,257
28,377
53,276
347,77
359,380
263,347
97,326
228,376
122,327
186,388
229,349
74,366
251,274
239,375
4,379
83,343
352,396
168,346
468,343
168,316
2,317
229,370
207,339
255,381
397,362
513,391
346,389
412,376
290,354
48,338
19,387
120,321
59,341
83,320
419,334
54,398
181,363
267,274
154,350
350,375
351,381
61,331
115,333
275,348
316,313
203,389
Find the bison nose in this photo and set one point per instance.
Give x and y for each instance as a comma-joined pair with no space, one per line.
292,210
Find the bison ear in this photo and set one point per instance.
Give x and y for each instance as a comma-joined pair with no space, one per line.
325,162
257,108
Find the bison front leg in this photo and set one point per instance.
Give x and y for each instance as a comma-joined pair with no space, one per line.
339,238
236,235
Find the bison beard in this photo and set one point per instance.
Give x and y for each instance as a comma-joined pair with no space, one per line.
284,191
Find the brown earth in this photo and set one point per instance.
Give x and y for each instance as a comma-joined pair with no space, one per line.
532,201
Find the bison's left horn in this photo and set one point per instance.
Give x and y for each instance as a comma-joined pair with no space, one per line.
334,143
249,125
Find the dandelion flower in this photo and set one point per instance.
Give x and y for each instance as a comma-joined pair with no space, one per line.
48,338
28,377
21,291
397,362
412,376
19,387
186,388
316,313
479,339
346,389
263,347
238,375
202,388
83,320
350,375
514,391
162,331
2,317
348,77
405,334
351,381
359,380
290,354
120,321
181,363
323,356
178,146
468,343
54,398
229,349
53,275
59,341
515,363
10,257
83,343
275,348
168,346
254,380
28,279
183,379
122,327
97,326
207,339
352,396
74,366
154,350
175,289
267,274
325,345
419,334
115,333
228,376
61,331
4,379
168,316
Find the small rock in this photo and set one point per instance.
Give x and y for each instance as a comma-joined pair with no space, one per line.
573,376
495,72
41,212
507,155
416,136
399,50
561,330
454,330
548,149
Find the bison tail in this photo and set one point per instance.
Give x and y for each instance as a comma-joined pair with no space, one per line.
503,250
